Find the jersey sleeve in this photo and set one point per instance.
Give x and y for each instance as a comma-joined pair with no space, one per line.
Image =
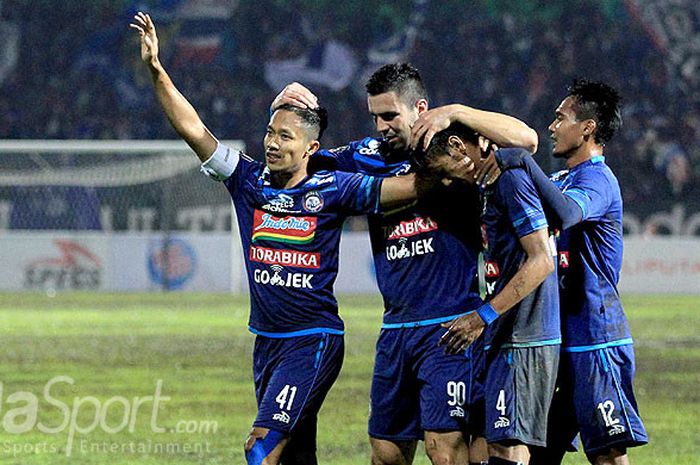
336,159
591,192
358,193
245,169
563,211
522,204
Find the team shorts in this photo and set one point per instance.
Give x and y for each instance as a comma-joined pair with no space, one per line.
292,377
518,392
477,357
416,387
595,398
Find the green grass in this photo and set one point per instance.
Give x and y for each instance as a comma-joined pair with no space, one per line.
117,347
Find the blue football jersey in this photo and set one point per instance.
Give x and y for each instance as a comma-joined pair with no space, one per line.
590,259
290,241
426,254
512,210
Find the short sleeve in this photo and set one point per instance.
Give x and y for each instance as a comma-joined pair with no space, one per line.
358,193
591,191
336,159
523,206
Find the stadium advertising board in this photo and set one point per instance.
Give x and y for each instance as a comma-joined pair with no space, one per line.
661,265
182,262
52,262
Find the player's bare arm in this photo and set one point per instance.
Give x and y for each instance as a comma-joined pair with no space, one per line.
181,114
532,273
295,94
539,264
398,191
501,129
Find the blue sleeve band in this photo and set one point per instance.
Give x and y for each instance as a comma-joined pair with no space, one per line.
567,211
262,447
487,313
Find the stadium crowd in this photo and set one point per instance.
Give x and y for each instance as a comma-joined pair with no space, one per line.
61,78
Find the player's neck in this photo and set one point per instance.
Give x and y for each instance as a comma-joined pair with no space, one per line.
583,154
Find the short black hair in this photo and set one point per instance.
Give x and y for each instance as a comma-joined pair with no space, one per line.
599,102
439,144
402,78
314,118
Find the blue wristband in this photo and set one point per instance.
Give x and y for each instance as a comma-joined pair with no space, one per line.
487,313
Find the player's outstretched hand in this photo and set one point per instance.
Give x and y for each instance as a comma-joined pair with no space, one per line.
297,95
488,170
430,123
461,332
147,33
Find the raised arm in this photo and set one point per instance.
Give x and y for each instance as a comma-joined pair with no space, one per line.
501,129
538,265
181,114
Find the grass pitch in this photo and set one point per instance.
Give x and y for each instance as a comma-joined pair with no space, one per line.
166,379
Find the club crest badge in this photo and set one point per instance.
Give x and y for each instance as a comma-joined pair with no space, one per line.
313,202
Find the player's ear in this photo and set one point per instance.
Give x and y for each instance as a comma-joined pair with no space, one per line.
589,127
456,144
312,148
421,105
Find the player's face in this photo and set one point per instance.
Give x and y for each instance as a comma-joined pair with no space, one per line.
287,143
393,118
454,165
566,131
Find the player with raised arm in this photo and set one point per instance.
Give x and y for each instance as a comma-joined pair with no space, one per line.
520,322
290,225
595,396
425,257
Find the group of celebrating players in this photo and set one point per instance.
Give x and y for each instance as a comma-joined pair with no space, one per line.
512,379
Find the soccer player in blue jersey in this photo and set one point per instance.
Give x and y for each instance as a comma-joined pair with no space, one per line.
520,322
290,225
425,257
595,396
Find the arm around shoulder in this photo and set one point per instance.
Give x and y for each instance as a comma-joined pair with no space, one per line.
502,129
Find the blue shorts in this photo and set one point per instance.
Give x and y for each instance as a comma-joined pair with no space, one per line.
518,393
595,398
292,377
477,357
416,387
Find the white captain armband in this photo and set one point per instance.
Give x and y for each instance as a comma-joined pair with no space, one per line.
222,163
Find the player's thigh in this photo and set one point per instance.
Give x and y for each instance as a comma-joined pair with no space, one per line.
300,381
518,394
394,397
606,408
